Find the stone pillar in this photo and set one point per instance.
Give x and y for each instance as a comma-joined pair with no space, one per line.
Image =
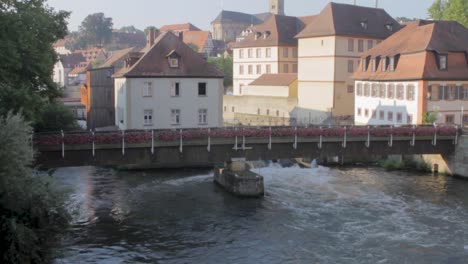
236,178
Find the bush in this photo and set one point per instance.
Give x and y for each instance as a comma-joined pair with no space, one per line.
392,164
55,117
31,207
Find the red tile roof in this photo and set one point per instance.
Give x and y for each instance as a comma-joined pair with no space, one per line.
277,30
72,60
154,62
417,47
81,68
116,57
198,38
281,79
344,19
179,28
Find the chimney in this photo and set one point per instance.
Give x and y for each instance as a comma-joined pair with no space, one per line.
151,37
181,36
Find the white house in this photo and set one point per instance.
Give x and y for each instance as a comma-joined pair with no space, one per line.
169,86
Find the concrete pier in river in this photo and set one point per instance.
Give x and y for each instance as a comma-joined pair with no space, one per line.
236,178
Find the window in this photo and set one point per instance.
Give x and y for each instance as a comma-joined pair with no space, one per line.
294,68
277,113
359,111
452,92
350,88
241,88
410,90
374,65
390,116
174,62
359,89
233,109
350,66
241,69
201,89
443,62
382,115
175,89
259,69
241,54
465,119
294,50
392,64
375,90
268,68
399,118
148,89
361,45
370,44
367,90
286,68
384,64
400,92
464,93
268,53
409,119
250,69
250,53
268,112
443,92
202,114
374,114
382,90
366,112
259,111
259,53
351,45
449,119
225,108
285,52
148,117
175,116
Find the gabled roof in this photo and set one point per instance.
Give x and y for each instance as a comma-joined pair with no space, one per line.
198,38
344,19
154,62
418,46
81,68
116,57
281,79
72,60
275,31
424,35
179,27
236,17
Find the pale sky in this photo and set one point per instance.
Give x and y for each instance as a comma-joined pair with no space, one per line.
142,13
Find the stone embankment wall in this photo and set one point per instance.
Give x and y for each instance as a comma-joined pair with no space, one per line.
456,164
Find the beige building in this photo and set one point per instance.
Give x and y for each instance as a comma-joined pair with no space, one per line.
329,52
269,48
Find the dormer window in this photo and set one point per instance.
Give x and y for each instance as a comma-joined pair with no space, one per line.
389,26
266,34
173,59
364,65
384,64
374,65
443,62
257,35
364,24
392,64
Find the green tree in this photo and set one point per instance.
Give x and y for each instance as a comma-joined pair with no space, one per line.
130,29
55,117
28,28
225,65
96,29
148,28
456,10
436,11
430,117
32,209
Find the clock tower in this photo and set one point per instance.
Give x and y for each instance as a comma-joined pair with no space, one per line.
277,7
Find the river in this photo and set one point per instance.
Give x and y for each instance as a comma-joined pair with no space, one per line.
355,215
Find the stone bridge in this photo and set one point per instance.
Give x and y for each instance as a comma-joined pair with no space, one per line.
208,147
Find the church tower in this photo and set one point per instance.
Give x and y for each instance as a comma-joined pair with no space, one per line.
277,7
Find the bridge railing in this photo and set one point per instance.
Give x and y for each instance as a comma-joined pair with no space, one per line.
148,136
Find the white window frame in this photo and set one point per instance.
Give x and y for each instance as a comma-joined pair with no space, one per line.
268,53
148,89
175,89
148,117
202,116
175,117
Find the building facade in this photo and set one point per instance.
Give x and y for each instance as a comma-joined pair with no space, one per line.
169,86
269,48
421,69
329,52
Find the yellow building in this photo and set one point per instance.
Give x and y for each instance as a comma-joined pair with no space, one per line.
329,51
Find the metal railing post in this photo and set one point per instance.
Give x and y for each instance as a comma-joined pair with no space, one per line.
345,137
181,143
243,139
152,142
269,139
94,146
434,141
295,138
368,137
123,142
413,140
390,143
321,139
209,140
63,144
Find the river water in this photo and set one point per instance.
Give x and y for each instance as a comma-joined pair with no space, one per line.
359,215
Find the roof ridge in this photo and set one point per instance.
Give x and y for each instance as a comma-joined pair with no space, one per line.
156,42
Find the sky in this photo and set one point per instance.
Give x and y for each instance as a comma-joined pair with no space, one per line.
143,13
